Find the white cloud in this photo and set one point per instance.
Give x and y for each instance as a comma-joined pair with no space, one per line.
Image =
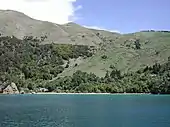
57,11
101,28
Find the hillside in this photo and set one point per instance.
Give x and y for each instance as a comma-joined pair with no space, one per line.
36,53
28,60
20,25
154,47
31,66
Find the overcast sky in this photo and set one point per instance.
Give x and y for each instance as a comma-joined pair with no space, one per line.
114,15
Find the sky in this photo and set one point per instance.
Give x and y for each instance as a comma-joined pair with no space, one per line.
124,16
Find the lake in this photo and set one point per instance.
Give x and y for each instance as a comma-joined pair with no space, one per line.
84,111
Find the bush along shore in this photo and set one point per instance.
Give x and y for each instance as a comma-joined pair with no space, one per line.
154,80
29,67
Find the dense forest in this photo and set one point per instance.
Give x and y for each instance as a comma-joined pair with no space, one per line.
32,65
27,60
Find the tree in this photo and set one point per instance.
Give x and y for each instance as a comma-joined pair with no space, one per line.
137,44
104,57
169,59
156,68
67,65
116,74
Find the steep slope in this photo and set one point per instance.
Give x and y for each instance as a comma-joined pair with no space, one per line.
81,35
126,54
21,60
20,25
27,66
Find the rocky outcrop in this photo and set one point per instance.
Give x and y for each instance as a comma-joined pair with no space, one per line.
11,89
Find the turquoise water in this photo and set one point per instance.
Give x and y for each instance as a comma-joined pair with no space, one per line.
84,111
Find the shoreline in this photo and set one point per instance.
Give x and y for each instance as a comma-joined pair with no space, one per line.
53,93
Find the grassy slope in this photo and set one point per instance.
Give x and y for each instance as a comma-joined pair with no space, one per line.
155,47
20,25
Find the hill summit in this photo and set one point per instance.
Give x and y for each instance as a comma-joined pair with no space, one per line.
35,54
20,25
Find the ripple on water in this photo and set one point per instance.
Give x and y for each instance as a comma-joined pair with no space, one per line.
84,111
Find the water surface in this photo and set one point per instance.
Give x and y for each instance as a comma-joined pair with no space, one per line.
84,111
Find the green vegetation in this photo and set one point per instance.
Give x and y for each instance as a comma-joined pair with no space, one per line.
97,60
32,65
127,52
154,79
27,62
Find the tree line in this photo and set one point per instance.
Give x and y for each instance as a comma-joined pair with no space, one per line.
32,65
28,60
154,79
